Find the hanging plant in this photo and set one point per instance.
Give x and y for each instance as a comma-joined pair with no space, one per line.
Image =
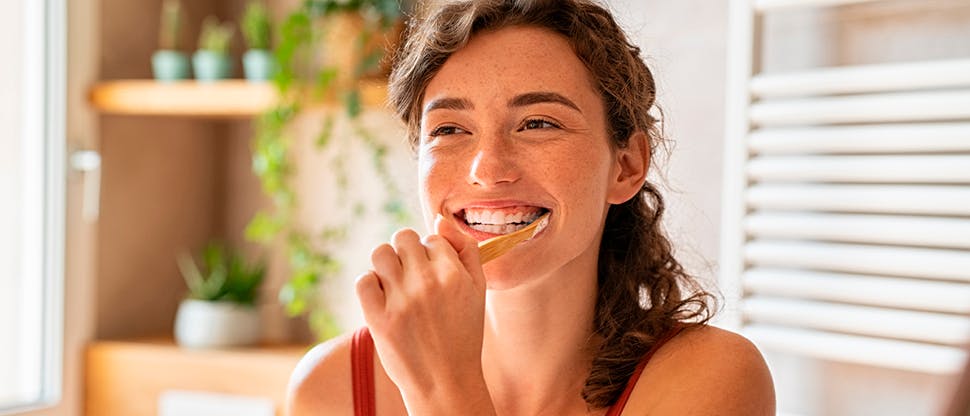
304,78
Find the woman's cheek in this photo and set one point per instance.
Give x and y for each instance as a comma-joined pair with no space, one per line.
434,174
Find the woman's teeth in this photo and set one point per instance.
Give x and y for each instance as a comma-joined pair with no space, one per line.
499,222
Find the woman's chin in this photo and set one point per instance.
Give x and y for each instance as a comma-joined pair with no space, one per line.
506,273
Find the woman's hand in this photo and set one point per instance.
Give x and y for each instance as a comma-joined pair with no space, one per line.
424,303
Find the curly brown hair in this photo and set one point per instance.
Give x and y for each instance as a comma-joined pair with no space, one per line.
643,291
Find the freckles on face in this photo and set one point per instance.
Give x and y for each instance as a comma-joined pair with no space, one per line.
512,122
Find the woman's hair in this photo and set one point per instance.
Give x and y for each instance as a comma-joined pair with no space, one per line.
643,290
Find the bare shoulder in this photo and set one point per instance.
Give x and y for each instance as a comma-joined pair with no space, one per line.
704,371
321,382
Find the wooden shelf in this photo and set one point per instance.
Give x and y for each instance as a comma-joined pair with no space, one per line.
127,377
222,99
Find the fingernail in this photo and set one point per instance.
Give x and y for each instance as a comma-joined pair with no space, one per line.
437,223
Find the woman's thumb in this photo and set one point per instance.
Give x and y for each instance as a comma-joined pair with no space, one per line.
464,245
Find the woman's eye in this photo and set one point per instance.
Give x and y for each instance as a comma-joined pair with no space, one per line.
538,123
445,131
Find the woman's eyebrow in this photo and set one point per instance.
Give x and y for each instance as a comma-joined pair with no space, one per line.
449,103
521,100
530,98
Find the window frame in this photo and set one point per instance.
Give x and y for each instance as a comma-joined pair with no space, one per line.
44,118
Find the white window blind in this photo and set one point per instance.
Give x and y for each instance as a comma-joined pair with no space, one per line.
846,228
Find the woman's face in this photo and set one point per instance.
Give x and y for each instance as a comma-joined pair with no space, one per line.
512,127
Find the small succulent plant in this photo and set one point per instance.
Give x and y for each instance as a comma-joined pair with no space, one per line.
215,36
170,25
256,26
225,275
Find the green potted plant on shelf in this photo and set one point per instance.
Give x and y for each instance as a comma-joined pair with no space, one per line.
257,31
220,309
211,61
168,62
325,48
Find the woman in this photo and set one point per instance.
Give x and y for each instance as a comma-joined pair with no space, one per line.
518,108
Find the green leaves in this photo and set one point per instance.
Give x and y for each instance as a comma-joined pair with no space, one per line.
215,36
385,10
256,26
301,77
170,26
263,228
351,101
224,276
296,36
300,294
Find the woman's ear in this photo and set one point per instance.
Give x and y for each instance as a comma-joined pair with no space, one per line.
630,169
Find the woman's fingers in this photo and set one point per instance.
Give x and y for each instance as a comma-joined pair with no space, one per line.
407,244
465,246
370,293
428,320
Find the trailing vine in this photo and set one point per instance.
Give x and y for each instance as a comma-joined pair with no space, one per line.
301,81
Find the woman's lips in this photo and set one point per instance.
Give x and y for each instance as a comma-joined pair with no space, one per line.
491,223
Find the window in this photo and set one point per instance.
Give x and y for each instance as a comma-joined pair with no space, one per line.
32,208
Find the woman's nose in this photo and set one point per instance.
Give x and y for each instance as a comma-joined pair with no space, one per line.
494,163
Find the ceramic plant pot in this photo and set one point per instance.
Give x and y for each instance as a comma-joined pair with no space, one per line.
206,324
211,66
169,65
258,65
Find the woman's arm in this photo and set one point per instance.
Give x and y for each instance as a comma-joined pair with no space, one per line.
321,382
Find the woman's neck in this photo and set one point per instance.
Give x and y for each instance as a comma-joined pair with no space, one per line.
537,347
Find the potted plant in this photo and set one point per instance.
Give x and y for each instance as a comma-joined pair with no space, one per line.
220,309
256,29
211,61
168,62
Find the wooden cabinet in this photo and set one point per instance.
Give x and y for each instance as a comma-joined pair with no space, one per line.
127,378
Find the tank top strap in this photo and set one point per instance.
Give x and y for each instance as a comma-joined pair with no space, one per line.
617,407
362,372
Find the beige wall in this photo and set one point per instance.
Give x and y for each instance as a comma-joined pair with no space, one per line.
685,47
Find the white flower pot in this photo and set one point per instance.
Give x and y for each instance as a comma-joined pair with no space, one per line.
204,324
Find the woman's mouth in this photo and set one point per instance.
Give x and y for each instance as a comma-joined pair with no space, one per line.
500,221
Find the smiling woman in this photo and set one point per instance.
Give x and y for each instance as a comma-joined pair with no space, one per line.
516,109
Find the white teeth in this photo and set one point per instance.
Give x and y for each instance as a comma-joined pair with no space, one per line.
498,222
496,228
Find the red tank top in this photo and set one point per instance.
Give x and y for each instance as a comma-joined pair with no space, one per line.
362,372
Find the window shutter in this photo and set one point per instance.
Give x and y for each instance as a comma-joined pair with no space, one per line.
846,228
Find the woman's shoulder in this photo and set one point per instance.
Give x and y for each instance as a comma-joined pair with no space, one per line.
704,370
321,382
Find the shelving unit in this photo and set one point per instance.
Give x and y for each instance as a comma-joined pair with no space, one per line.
129,377
205,127
176,174
223,99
